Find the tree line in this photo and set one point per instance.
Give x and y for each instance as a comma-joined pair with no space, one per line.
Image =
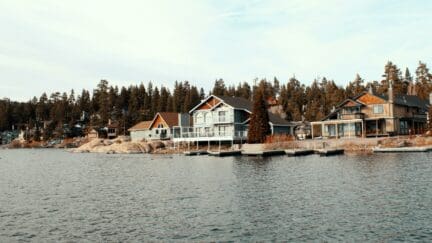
129,105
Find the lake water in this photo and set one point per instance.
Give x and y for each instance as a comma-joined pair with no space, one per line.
53,195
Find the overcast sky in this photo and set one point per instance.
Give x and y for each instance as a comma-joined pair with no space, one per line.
50,45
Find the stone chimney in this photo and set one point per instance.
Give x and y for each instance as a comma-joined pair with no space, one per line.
391,100
390,92
370,89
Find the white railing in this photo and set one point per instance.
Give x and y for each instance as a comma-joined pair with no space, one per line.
238,134
223,119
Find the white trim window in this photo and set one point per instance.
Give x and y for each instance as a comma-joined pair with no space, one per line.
208,118
378,109
222,130
200,118
222,116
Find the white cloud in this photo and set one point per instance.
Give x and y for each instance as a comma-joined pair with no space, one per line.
54,45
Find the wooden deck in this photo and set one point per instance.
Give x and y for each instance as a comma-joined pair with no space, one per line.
195,152
225,153
263,153
299,152
402,150
329,152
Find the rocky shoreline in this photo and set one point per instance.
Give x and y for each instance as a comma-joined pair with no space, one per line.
123,146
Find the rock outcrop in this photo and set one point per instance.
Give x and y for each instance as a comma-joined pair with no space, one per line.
120,146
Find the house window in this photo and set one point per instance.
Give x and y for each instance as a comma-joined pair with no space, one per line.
200,118
207,117
222,131
378,109
222,116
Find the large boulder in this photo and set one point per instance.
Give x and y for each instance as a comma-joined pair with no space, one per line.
157,145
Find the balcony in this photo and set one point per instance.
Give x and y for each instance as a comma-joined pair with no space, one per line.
210,136
351,116
223,119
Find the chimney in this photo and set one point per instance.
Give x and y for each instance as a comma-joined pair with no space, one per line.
390,92
370,89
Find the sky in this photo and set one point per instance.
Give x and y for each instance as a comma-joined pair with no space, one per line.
50,45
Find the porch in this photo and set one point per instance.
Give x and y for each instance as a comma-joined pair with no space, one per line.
338,128
189,134
377,127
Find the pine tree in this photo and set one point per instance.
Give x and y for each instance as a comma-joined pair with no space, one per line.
163,104
423,84
392,72
259,126
355,87
219,87
155,101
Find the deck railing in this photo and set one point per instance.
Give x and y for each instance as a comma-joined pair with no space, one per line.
238,134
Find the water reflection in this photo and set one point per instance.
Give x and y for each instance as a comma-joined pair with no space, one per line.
50,195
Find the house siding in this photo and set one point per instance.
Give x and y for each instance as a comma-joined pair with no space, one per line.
140,135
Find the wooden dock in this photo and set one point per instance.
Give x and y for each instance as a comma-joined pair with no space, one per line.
299,152
402,150
195,152
263,153
225,153
329,152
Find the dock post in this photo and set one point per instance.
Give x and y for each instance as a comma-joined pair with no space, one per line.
208,146
219,145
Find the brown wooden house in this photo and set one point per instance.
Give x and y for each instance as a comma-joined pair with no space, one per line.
369,115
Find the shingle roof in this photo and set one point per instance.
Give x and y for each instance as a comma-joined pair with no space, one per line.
403,100
277,120
144,125
171,118
237,102
242,103
411,100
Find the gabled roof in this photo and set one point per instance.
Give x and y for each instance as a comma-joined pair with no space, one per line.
277,120
244,104
170,118
234,102
411,101
237,102
402,100
350,102
144,125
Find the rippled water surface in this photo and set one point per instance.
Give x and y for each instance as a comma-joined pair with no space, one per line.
52,195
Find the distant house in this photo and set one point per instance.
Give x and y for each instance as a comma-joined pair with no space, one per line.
223,118
92,134
163,126
369,114
302,130
7,137
112,130
140,131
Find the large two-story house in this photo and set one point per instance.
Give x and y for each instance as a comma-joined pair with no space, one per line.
369,115
224,118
